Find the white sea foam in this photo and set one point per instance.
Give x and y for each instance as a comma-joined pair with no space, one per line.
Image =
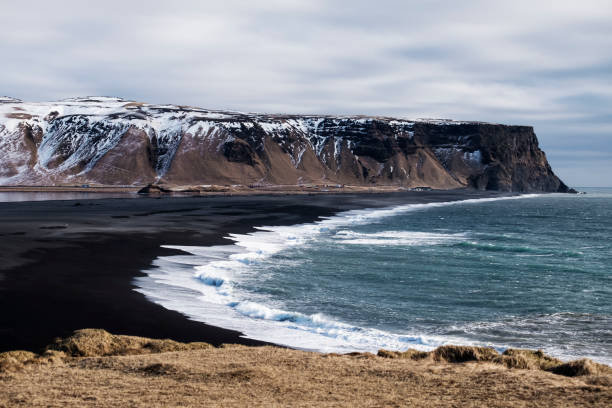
205,285
396,238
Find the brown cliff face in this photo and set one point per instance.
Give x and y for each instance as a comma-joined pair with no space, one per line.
114,142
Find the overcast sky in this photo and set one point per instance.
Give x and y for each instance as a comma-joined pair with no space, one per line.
541,63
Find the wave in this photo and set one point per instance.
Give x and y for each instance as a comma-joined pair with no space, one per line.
206,285
173,286
496,248
520,250
396,238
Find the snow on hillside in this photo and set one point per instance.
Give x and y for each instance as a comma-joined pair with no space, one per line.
76,133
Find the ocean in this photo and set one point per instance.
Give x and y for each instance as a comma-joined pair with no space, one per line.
531,271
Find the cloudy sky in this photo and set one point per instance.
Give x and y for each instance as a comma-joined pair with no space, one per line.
541,63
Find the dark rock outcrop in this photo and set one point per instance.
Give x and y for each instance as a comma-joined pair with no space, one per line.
510,157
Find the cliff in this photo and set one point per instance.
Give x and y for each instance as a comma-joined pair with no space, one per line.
111,141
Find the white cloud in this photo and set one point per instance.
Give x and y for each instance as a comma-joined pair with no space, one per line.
527,62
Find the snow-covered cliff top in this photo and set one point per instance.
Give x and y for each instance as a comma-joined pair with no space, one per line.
13,111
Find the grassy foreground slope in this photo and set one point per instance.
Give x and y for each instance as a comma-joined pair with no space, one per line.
95,368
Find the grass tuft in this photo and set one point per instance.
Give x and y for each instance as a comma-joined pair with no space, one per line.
461,354
411,354
581,367
97,342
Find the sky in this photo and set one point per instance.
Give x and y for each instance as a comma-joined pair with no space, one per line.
547,64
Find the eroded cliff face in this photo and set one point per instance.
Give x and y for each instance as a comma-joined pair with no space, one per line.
111,141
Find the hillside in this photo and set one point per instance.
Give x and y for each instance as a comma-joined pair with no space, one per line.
111,141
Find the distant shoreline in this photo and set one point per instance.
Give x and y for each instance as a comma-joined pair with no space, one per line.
222,190
68,189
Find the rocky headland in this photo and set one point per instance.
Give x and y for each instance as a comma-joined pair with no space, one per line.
100,141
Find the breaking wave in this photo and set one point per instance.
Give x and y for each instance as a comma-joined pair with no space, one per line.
205,284
396,238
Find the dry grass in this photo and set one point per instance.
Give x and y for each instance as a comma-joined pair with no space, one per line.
271,376
528,359
410,354
461,354
96,342
582,367
15,360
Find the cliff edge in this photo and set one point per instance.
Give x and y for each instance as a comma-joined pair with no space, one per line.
111,141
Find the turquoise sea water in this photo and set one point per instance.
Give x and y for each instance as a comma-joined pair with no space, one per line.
530,272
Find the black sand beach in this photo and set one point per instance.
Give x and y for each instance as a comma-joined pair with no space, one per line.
68,265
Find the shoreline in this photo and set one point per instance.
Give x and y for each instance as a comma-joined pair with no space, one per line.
162,190
63,292
71,264
68,189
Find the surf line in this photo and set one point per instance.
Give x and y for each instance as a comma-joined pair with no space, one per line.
205,286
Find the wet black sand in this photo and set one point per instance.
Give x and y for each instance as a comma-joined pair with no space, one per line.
68,265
